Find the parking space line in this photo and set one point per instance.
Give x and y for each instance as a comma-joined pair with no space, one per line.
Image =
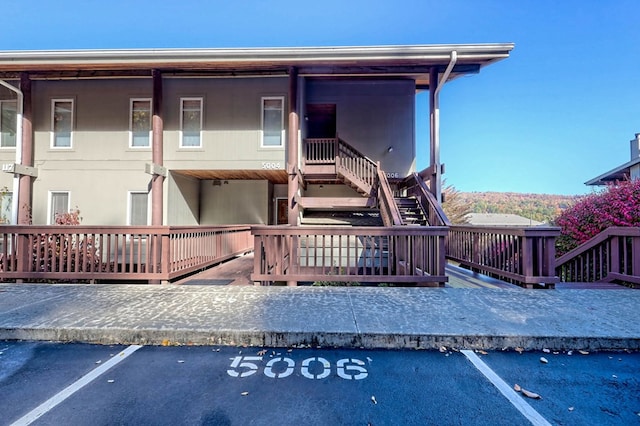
516,400
49,404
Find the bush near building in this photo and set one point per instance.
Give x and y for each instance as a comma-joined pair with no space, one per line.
617,205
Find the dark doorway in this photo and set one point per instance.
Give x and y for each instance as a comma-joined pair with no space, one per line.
321,121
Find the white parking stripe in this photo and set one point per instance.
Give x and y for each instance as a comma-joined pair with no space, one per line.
516,400
46,406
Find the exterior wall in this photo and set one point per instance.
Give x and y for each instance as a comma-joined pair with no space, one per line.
182,200
231,121
234,202
337,190
100,168
373,116
100,154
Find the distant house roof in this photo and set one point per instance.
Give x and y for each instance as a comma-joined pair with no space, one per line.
629,170
413,61
500,219
620,173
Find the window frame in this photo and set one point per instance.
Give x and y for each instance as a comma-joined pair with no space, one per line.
6,200
15,102
131,102
200,99
130,206
50,214
71,131
282,131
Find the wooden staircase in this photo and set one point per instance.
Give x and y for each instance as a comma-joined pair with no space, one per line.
411,211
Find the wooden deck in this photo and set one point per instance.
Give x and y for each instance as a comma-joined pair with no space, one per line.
237,271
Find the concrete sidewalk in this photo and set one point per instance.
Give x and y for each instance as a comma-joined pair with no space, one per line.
425,318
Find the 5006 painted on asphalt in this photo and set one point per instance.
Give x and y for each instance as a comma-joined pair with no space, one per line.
312,368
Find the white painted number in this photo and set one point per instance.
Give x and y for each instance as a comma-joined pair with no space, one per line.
271,166
238,362
326,368
268,370
311,368
351,372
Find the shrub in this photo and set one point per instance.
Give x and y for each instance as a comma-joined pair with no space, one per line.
617,205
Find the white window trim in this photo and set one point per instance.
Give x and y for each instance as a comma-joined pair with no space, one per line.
131,101
282,137
50,204
129,193
201,100
73,116
17,142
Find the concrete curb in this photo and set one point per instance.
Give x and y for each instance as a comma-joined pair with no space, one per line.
316,339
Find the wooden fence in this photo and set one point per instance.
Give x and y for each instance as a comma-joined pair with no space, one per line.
90,253
349,254
612,255
522,255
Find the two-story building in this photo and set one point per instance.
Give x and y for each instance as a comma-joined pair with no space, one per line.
213,136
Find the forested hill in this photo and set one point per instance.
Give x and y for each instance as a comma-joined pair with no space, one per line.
540,207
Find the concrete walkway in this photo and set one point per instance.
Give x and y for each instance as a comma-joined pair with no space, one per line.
423,318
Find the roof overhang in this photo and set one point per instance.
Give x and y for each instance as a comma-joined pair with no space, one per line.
378,61
618,174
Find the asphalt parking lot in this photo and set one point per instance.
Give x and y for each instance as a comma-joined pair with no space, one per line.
79,384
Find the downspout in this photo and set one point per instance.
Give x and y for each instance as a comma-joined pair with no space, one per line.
435,161
16,178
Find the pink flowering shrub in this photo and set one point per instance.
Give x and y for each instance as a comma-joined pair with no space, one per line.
617,205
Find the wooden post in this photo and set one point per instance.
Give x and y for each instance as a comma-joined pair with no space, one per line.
157,181
292,147
292,159
26,182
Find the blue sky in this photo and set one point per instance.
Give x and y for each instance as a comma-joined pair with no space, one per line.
558,112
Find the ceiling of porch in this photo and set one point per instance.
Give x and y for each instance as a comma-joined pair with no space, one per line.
273,176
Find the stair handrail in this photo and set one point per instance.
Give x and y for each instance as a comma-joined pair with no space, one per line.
417,187
388,208
612,259
356,164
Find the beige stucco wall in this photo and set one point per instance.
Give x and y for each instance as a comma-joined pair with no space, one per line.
100,168
234,202
231,121
182,201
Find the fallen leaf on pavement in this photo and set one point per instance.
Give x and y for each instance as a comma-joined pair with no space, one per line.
244,393
530,394
584,352
544,360
520,350
262,352
517,387
546,351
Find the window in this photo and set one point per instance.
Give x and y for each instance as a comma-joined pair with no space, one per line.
273,122
6,199
58,204
138,214
61,123
8,123
140,123
190,122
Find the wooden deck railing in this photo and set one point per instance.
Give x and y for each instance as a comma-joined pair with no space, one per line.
320,150
413,185
353,254
154,253
523,255
612,255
